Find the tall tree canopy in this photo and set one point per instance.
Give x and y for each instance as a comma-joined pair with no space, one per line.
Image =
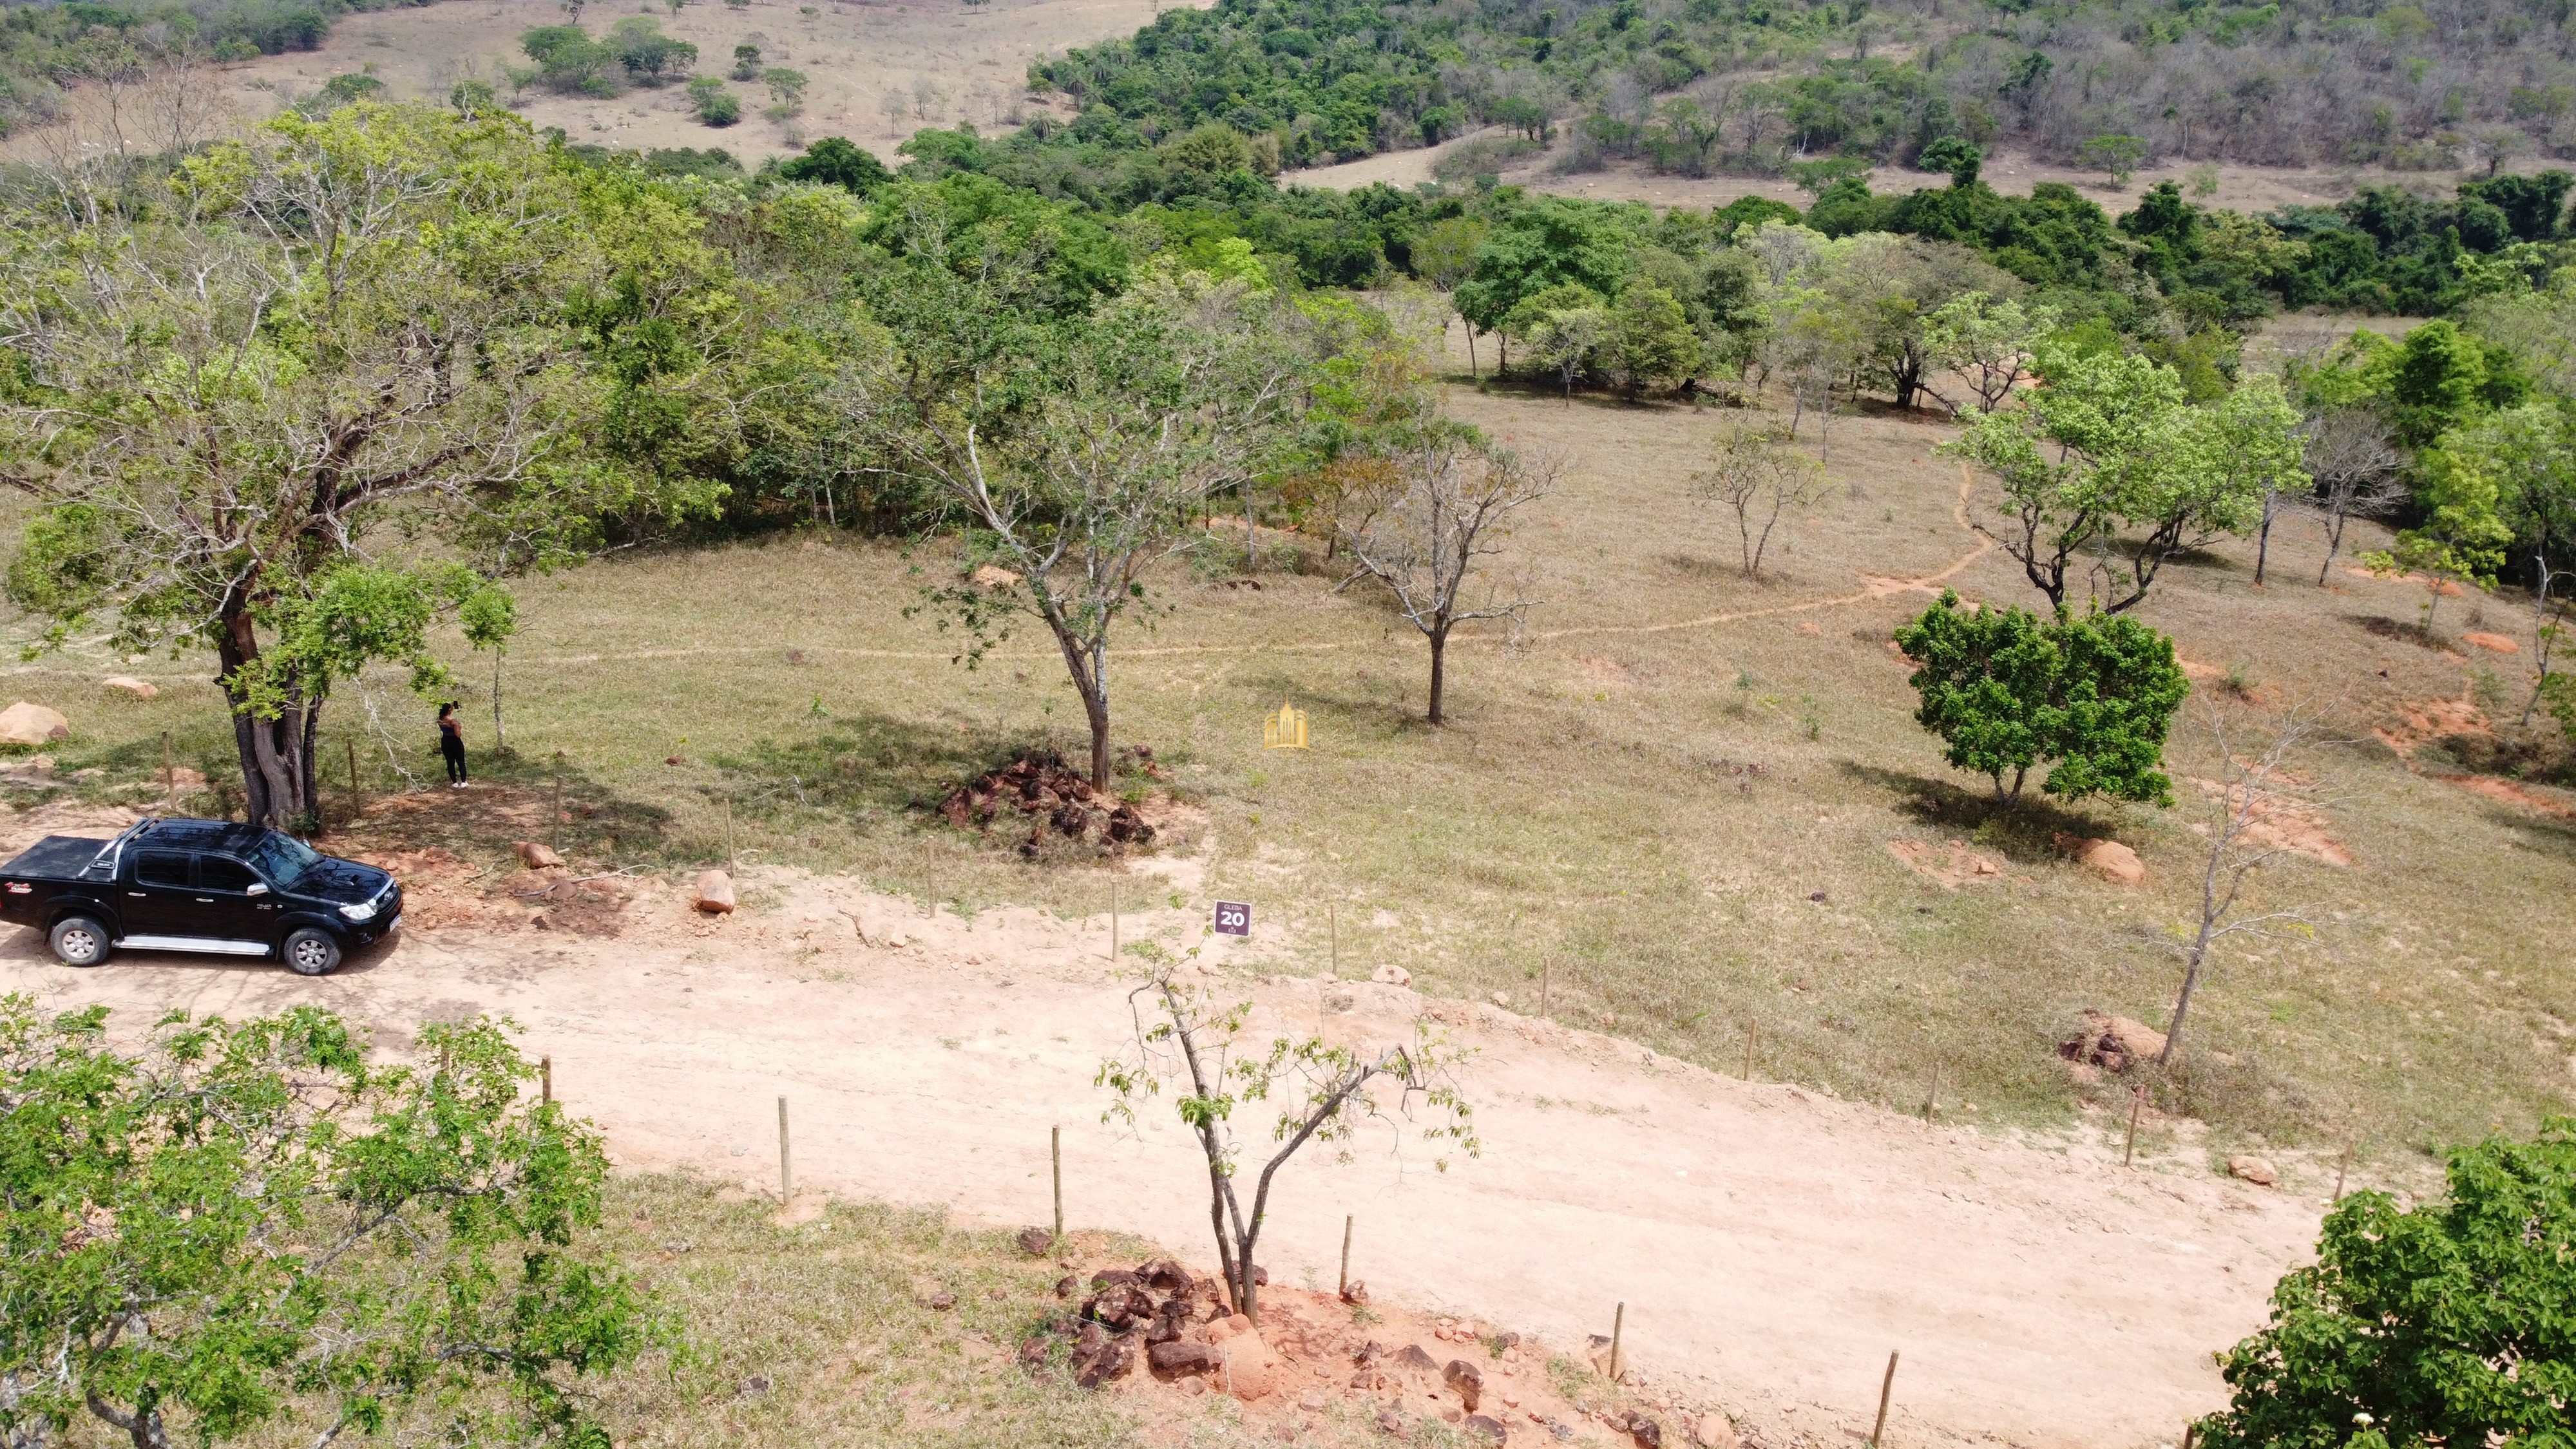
329,359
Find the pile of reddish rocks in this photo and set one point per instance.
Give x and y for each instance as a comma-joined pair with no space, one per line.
1042,790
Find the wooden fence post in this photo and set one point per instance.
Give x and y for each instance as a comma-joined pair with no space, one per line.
1886,1387
786,1173
1055,1150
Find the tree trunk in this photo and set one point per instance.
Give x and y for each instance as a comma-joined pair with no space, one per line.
1439,648
2182,1002
499,745
276,754
2263,543
1095,708
1471,348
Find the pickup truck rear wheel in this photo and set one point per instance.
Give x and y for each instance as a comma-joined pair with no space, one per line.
311,953
79,941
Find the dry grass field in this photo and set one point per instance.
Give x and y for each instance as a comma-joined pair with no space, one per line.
1675,796
2238,188
879,70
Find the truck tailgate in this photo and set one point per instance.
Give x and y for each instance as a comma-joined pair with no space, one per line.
56,857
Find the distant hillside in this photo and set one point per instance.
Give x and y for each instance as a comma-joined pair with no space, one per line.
1698,86
45,49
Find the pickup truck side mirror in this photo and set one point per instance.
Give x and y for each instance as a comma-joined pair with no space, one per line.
257,888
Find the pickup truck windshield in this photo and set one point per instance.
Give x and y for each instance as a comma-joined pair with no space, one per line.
283,859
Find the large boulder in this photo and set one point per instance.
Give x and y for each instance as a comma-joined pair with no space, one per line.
714,893
2108,859
536,855
139,688
2253,1169
2113,1043
32,725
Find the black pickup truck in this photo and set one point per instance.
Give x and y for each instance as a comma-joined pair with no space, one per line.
198,885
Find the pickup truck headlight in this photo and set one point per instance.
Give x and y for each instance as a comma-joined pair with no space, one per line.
362,911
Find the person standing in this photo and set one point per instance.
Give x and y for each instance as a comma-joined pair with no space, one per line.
451,745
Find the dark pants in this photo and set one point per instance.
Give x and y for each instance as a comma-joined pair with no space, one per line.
454,750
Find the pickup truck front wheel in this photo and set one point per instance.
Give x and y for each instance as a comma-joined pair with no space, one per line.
79,941
311,953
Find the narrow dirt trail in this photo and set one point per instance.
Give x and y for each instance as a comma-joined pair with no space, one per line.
1873,588
1771,1246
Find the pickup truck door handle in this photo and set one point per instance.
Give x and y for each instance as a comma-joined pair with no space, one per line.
205,900
137,894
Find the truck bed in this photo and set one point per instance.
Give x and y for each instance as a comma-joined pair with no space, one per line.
56,857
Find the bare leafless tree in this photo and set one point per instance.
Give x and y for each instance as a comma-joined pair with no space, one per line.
1446,503
2245,813
1757,477
2354,463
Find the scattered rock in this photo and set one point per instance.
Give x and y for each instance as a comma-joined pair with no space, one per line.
1035,1241
2113,1043
146,689
993,576
32,724
755,1385
2108,859
1152,1312
1182,1356
2253,1169
537,856
1712,1431
2496,642
942,1302
1355,1292
1388,1421
1463,1377
1392,976
1952,864
1647,1433
1490,1430
33,767
1042,790
714,893
1815,895
1412,1357
672,760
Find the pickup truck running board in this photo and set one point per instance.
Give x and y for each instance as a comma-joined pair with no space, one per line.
207,944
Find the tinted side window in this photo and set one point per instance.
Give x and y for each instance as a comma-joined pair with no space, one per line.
215,873
161,868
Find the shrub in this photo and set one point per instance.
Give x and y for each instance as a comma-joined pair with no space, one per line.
2453,1323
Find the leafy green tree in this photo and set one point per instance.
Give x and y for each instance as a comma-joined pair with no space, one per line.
715,105
2117,157
230,1223
2116,692
1984,676
786,88
569,60
2007,691
1650,342
1549,242
746,61
340,343
2463,533
1444,255
1074,451
1990,342
645,51
834,161
1567,339
2437,379
2447,1323
2109,443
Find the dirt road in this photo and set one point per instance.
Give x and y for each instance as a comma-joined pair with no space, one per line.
1769,1244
